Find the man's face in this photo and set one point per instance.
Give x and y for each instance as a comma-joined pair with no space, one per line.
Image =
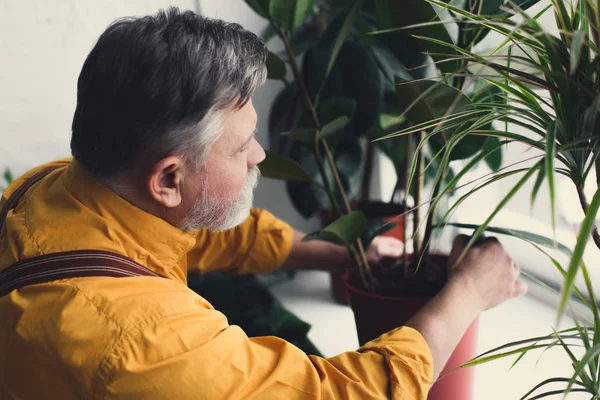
221,193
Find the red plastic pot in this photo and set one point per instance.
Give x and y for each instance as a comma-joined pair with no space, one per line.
388,212
375,315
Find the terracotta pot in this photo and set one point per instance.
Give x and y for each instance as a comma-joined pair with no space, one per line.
384,211
375,315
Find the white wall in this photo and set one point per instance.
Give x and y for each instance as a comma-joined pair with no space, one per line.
43,45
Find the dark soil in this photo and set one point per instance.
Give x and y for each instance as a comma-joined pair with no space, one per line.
390,278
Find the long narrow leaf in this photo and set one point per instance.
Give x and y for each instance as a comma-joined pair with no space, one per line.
544,383
501,205
349,21
549,167
579,369
582,240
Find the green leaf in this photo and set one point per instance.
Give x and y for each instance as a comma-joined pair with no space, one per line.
333,39
516,187
544,383
375,227
333,108
407,13
577,44
275,67
524,235
334,127
276,166
261,7
587,226
268,33
589,355
8,176
494,7
465,148
487,359
290,13
551,135
426,100
494,160
306,136
344,231
536,186
362,81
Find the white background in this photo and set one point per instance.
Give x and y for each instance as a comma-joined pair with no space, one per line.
43,44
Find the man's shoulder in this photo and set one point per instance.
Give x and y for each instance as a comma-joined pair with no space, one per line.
137,302
63,162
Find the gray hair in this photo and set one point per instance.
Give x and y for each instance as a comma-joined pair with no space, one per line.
160,85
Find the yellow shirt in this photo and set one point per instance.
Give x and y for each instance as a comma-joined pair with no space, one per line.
146,337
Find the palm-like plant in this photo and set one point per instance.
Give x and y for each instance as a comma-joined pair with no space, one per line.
551,88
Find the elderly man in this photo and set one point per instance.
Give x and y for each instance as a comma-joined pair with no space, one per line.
94,252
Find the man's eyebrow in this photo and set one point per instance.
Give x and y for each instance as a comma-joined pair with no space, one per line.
252,136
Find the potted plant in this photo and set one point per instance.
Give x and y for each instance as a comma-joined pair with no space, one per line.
335,41
425,104
551,82
327,50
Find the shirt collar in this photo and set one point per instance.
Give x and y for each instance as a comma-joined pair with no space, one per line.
152,241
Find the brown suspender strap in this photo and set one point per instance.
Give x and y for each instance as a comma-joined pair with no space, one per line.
70,264
16,196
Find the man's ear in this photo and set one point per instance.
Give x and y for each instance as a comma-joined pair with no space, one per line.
164,182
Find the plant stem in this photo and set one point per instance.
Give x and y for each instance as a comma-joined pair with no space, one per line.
409,146
365,184
418,194
584,206
363,264
429,225
309,107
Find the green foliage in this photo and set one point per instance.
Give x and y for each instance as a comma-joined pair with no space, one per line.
553,90
8,178
346,61
290,14
343,231
278,167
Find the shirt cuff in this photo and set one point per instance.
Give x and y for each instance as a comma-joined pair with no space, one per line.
409,361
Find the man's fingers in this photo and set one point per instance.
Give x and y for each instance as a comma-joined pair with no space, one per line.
520,289
460,241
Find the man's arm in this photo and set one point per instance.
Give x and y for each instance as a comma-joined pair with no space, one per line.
486,278
264,243
319,255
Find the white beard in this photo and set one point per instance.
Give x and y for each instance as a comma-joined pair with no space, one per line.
211,213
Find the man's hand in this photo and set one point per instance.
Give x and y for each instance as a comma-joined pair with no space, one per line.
384,246
484,278
487,270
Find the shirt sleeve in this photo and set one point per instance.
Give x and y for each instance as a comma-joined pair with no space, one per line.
259,245
171,360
